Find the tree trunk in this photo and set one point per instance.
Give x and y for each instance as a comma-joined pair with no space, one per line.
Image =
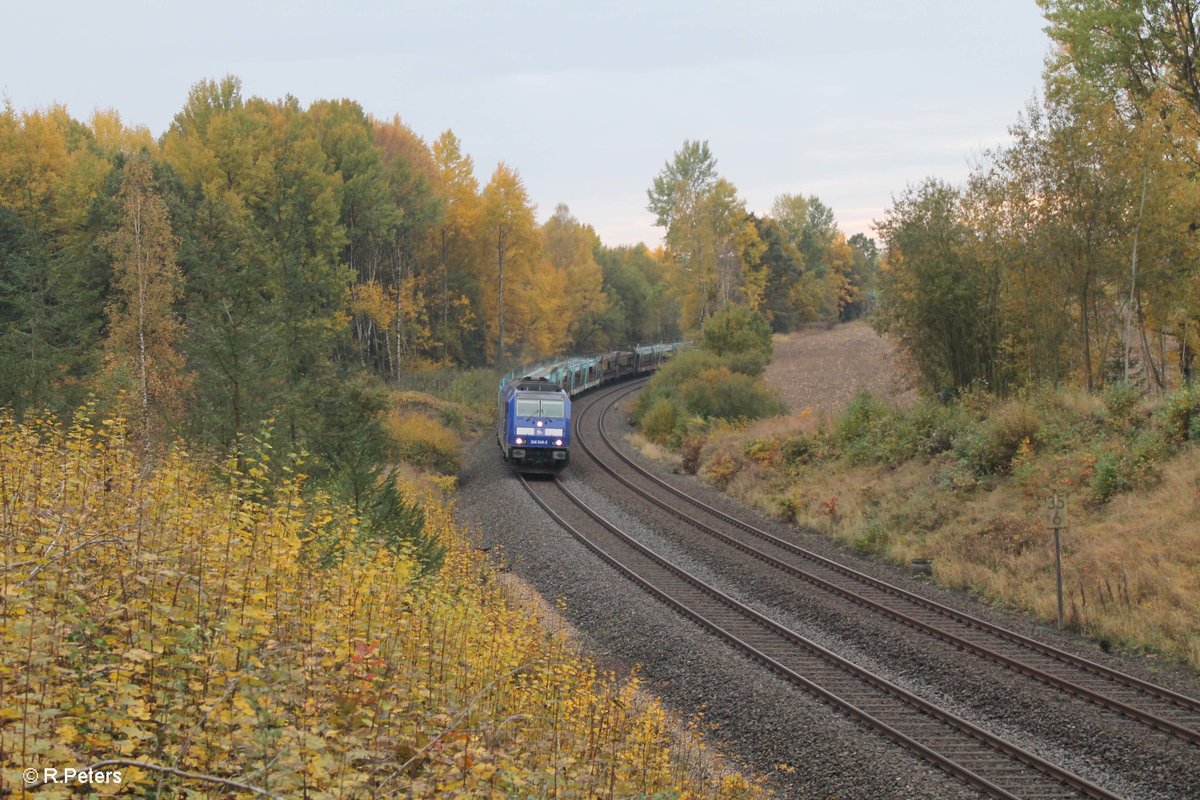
1087,334
1133,274
140,261
399,273
445,296
500,235
1147,355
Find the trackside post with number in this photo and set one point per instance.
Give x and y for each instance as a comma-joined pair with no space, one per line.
1058,521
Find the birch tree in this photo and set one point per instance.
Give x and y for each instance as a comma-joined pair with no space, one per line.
143,330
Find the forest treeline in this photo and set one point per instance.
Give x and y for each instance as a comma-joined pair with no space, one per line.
1070,254
263,261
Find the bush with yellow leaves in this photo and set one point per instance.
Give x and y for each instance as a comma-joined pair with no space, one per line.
418,439
177,622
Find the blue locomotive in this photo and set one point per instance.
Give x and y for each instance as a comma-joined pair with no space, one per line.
534,426
533,413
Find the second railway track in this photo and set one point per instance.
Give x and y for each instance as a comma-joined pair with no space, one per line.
1160,708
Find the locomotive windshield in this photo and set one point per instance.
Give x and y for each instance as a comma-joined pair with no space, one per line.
539,407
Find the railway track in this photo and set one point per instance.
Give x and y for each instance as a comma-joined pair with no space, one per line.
986,762
1159,708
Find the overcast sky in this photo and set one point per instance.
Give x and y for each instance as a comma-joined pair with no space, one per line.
848,101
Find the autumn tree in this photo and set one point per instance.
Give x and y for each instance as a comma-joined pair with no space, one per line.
711,240
367,216
412,177
682,183
56,203
941,297
641,307
458,241
525,312
822,289
1129,49
1140,57
570,248
209,149
863,276
741,336
267,294
1060,197
144,333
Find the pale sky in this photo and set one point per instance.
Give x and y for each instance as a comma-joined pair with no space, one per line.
850,101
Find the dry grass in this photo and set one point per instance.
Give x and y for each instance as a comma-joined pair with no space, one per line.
1131,568
462,418
654,451
805,421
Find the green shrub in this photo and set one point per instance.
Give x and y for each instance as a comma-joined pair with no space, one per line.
935,426
855,423
1109,476
665,383
736,330
717,382
752,362
1070,422
717,393
658,424
798,450
989,447
1179,415
1123,466
871,431
1121,400
871,537
683,368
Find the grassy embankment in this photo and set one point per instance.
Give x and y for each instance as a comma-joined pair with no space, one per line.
192,625
965,485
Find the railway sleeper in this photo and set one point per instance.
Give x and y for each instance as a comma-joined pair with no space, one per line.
965,749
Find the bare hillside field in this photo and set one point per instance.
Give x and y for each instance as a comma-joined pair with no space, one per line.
824,368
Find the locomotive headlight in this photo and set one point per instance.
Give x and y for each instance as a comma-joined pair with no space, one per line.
558,442
540,423
518,440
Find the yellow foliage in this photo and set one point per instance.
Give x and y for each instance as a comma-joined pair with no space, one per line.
114,136
372,301
161,614
420,440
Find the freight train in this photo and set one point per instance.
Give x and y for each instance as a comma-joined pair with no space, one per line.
533,409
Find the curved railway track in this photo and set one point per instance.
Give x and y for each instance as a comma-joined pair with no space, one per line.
986,762
1131,697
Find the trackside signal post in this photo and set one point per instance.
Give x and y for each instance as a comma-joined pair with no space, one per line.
1058,521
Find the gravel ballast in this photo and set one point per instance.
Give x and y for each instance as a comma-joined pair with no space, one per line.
761,723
